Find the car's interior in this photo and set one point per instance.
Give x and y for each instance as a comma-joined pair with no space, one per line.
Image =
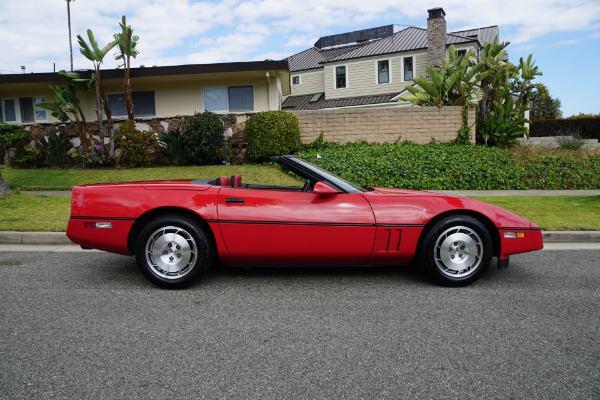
235,181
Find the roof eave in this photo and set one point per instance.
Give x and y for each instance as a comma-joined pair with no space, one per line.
267,65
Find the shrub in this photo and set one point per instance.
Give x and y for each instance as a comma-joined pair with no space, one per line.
569,142
54,148
139,147
203,134
11,135
26,156
96,159
175,143
272,133
587,127
451,167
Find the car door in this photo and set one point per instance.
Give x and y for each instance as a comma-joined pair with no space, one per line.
272,226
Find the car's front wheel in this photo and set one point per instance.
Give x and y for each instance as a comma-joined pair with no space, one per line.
173,252
456,251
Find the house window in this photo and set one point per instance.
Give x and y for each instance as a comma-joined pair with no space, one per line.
143,103
22,110
383,71
461,53
340,77
408,68
296,80
9,113
233,98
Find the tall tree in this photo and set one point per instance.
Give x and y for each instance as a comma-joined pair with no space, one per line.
126,43
545,107
93,53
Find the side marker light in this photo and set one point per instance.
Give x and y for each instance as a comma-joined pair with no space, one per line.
104,225
513,235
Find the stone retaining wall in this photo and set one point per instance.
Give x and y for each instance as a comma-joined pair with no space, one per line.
233,130
556,141
384,125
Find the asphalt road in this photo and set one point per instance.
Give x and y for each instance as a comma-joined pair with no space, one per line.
88,325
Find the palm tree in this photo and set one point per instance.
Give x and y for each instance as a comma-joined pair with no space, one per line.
126,43
69,22
66,106
93,53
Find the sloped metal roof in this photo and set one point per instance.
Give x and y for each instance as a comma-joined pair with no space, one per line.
486,34
411,38
312,58
303,102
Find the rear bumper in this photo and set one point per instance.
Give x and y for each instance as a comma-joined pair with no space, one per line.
112,239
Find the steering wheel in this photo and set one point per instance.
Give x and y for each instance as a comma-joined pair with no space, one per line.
306,186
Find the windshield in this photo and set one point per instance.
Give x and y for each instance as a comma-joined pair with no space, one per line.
332,178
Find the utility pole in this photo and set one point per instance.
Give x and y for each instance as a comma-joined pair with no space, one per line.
69,21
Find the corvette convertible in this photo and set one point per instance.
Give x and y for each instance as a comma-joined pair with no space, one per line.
177,229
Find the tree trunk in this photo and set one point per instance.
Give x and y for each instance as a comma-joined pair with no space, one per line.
109,126
3,186
127,90
99,109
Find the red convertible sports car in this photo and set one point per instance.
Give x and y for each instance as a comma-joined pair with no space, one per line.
177,229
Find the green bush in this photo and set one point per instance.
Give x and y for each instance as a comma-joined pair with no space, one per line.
54,148
585,127
203,135
450,167
12,136
27,156
139,147
96,159
175,143
272,133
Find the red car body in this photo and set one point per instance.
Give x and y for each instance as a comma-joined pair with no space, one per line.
265,225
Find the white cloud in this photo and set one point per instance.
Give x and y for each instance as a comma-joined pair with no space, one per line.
237,30
572,41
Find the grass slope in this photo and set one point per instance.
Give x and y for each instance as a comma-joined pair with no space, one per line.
27,212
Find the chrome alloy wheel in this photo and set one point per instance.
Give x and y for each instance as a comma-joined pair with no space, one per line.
171,252
458,251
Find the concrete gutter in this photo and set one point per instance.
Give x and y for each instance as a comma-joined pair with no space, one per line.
53,238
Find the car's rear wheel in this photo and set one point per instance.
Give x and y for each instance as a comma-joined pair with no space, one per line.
456,250
173,252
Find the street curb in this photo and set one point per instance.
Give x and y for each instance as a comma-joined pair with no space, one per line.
12,237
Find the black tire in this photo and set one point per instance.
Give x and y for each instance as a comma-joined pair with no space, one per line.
456,251
173,252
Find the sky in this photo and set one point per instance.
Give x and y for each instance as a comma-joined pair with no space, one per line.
562,35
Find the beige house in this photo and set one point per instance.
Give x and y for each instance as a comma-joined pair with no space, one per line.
372,67
225,88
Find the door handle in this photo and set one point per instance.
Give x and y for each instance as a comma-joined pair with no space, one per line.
234,200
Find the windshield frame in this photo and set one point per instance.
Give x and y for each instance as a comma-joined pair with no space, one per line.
311,171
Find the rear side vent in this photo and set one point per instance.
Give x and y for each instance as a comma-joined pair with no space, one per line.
389,240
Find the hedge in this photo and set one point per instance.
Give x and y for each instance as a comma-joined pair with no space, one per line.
585,127
448,167
272,133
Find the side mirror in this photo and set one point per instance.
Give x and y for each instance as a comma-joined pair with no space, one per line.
323,189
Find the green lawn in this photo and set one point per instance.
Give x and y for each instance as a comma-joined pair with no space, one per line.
553,213
65,179
27,212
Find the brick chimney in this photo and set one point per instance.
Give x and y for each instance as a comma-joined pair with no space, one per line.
436,37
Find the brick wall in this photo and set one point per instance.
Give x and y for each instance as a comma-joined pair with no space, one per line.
384,125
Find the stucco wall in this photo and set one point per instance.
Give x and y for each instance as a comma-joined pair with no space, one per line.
384,125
